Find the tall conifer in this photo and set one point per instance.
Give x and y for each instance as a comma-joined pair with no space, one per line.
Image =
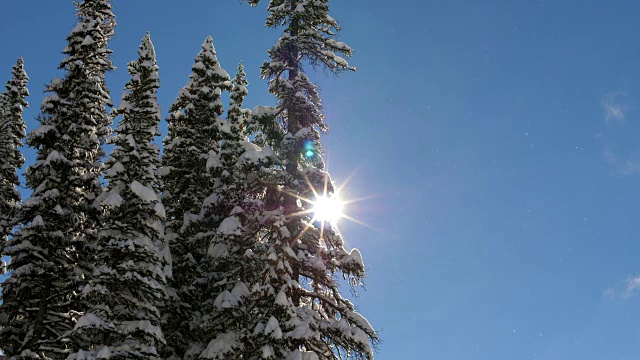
128,286
190,151
233,265
53,253
303,314
12,132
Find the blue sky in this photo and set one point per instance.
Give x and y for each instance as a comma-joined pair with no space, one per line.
501,141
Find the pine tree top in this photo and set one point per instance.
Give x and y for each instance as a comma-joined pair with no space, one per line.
139,102
16,87
207,80
12,104
309,26
12,132
236,114
194,114
88,39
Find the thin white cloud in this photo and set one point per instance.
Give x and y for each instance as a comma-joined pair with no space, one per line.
615,107
624,290
623,167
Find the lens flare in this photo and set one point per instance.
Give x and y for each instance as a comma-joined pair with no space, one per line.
309,149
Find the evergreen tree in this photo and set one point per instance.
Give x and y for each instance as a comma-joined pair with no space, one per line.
190,150
302,314
128,286
12,131
233,265
52,255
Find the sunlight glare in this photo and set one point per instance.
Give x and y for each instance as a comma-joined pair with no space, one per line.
327,208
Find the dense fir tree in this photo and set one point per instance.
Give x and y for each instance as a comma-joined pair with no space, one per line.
53,253
128,285
12,132
233,264
302,313
190,150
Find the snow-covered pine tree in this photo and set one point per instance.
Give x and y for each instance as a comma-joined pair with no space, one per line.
233,264
302,313
53,253
129,283
12,132
190,150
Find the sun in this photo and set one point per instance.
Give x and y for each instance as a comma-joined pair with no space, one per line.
327,208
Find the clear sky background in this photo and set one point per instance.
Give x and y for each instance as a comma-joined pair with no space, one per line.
501,140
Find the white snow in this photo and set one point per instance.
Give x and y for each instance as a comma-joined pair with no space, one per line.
113,199
91,320
210,200
267,351
198,66
302,355
254,154
217,250
340,61
260,111
230,226
37,221
281,299
124,104
240,290
145,193
164,171
115,169
54,156
273,328
226,300
159,209
213,161
87,41
42,129
128,327
302,330
354,257
104,353
360,321
224,343
130,140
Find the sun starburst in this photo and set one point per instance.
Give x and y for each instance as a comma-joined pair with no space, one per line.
327,207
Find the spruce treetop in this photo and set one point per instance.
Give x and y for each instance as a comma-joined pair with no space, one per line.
12,104
310,30
194,136
200,98
88,40
12,132
236,115
141,90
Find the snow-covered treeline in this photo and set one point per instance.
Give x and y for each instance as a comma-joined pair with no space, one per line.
205,252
